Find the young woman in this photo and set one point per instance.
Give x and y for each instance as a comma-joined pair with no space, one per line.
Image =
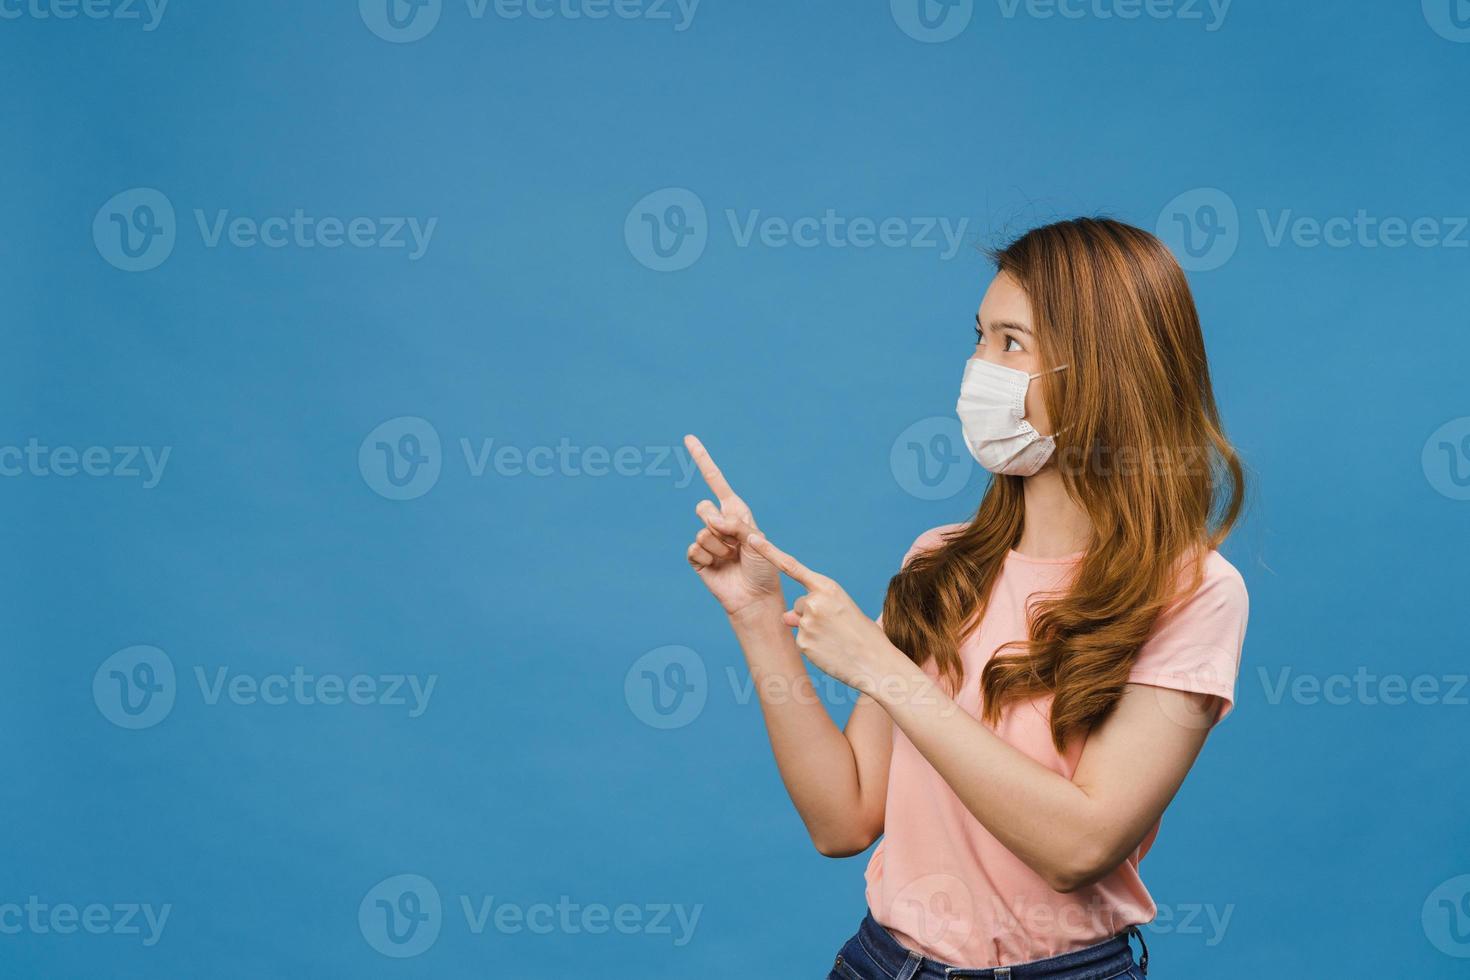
1042,678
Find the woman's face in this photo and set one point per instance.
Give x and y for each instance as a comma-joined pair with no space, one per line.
1003,336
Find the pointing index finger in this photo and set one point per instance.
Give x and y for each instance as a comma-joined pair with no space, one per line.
785,562
707,469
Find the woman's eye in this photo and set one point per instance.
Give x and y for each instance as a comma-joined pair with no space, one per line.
979,337
1012,344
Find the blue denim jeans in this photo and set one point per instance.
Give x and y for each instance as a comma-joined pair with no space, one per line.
873,954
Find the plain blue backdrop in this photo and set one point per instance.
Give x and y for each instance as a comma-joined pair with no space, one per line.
541,579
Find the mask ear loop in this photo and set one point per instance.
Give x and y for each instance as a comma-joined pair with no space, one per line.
1033,377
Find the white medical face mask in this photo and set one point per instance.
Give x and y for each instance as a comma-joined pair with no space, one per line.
991,408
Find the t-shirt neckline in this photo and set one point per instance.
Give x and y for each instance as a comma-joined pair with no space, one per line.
1072,559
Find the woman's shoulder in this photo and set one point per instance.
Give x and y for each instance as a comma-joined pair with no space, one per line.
1218,600
1221,582
1196,644
931,539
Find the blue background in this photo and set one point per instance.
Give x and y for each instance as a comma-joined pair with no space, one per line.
1321,828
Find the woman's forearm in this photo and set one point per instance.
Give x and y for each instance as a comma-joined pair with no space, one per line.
1039,815
817,762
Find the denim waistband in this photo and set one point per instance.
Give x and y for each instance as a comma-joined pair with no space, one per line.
1107,959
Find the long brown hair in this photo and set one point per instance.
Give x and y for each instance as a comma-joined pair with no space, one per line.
1140,447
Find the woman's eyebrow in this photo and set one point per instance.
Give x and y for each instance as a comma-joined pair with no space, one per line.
1004,325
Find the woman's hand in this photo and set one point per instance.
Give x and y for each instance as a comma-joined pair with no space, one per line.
831,630
737,576
837,779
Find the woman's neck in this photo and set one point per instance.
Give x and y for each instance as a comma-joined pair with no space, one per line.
1055,525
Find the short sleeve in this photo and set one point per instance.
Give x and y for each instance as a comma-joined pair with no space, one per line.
929,540
1196,644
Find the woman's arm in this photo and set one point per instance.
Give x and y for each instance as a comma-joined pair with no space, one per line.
837,779
1071,832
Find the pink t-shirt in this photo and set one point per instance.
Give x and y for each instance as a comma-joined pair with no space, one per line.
939,881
